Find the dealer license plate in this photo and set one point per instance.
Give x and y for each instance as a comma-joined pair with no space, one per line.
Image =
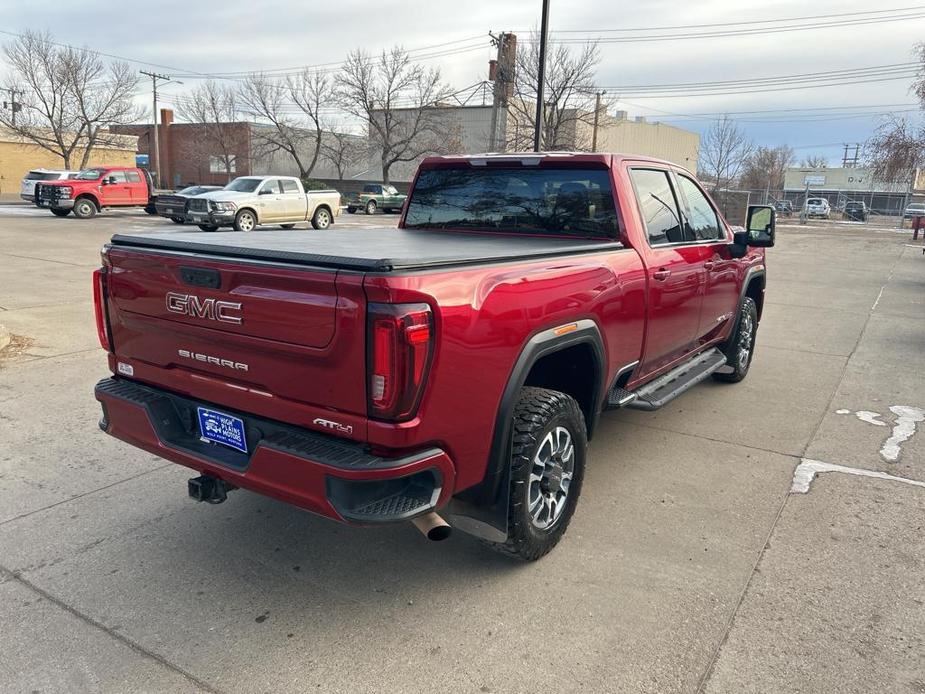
222,428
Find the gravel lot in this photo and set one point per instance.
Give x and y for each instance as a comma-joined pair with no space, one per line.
689,566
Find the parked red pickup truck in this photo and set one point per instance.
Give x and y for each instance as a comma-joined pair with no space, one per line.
94,189
458,364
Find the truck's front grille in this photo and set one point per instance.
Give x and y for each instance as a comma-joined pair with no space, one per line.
197,205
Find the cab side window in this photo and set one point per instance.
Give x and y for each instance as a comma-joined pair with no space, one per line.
659,207
702,222
117,176
133,177
272,185
289,186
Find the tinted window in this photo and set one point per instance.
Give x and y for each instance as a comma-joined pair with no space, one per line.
371,189
658,206
133,176
289,186
567,202
702,221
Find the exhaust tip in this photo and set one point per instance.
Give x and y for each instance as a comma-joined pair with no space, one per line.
433,527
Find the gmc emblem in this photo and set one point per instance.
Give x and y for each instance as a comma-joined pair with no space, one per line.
210,309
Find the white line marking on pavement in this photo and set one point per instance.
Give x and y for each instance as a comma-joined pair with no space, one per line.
904,429
808,469
906,419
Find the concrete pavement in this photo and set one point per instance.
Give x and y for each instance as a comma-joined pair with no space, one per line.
688,566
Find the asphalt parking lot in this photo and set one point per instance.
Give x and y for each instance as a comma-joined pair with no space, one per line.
690,565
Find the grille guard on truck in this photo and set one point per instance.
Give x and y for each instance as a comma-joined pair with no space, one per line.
328,476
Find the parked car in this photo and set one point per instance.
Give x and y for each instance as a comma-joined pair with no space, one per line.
784,208
93,190
914,209
251,201
173,205
456,364
27,187
817,207
376,196
855,210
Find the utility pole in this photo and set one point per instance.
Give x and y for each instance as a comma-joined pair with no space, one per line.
597,114
541,79
501,74
494,74
155,151
15,106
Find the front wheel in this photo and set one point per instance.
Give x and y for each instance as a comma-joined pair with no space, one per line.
60,212
84,208
178,220
208,227
245,220
741,346
371,207
547,469
322,218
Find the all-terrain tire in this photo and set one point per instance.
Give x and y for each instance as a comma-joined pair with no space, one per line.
740,349
539,415
85,208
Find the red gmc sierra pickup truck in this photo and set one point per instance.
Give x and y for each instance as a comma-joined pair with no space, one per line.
457,364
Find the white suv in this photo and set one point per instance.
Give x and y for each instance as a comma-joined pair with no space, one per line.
817,207
27,189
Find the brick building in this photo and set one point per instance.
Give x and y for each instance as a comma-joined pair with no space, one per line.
190,154
18,156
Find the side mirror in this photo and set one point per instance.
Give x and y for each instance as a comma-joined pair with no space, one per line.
760,226
111,180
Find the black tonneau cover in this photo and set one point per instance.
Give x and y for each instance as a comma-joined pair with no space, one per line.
371,250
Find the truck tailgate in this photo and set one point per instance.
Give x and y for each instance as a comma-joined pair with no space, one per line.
270,335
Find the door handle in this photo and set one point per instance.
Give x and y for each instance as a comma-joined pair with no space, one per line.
661,275
709,265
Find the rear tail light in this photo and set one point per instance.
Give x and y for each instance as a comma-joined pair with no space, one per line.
99,308
400,346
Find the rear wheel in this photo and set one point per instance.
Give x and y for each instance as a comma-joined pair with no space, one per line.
322,218
178,220
371,207
60,212
208,227
150,209
84,208
741,347
245,220
351,209
547,469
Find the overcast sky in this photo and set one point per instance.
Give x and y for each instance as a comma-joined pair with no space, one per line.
233,35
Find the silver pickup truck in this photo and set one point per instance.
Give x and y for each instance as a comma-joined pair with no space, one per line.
251,201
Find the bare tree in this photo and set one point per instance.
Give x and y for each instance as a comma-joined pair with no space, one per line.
343,150
570,96
898,145
215,106
814,161
297,134
724,149
765,168
896,150
69,96
400,102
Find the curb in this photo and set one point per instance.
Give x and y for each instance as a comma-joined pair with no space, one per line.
4,337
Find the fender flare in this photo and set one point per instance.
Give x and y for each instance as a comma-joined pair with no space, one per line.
252,210
750,274
486,504
91,197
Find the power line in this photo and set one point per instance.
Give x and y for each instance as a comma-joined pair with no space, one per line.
742,23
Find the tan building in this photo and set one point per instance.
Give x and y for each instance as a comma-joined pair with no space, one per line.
18,156
652,139
469,128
